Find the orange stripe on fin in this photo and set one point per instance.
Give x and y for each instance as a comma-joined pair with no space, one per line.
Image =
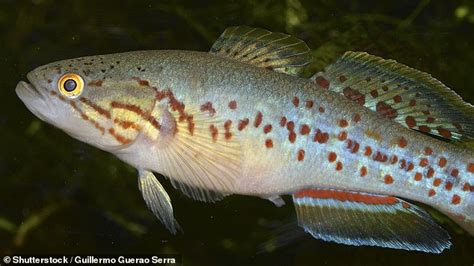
347,196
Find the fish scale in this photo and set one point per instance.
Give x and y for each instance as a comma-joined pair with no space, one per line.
348,143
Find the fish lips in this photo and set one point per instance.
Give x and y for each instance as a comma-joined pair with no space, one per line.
33,99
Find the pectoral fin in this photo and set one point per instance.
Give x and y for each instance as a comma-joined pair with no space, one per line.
363,219
157,200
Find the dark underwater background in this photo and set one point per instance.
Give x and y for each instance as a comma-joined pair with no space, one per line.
60,196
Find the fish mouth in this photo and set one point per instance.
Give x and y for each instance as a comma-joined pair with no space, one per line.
32,97
25,89
28,89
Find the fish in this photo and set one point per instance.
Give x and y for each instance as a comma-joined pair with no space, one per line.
357,145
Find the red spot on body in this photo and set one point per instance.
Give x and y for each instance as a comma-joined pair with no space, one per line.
363,171
354,95
269,143
267,129
322,82
300,155
442,162
242,124
428,151
321,109
468,187
431,193
367,151
290,126
343,123
423,162
455,172
309,104
321,137
394,159
456,199
412,102
388,179
410,167
258,119
380,157
214,132
207,107
470,167
410,121
448,186
292,137
332,156
233,105
436,182
402,142
338,166
430,119
386,110
397,99
418,176
296,101
283,121
304,129
342,136
430,172
355,147
227,125
405,205
342,78
403,163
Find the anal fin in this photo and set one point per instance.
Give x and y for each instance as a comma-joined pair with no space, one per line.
363,219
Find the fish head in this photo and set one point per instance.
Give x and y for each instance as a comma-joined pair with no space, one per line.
78,95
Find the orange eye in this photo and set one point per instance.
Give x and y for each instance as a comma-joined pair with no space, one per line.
71,85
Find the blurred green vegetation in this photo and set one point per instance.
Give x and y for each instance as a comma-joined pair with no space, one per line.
61,196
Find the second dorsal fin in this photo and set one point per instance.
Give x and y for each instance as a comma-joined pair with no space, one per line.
408,96
262,48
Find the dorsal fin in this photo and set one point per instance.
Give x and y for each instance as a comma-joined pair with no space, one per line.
262,48
410,97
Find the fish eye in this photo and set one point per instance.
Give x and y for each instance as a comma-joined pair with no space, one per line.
71,85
